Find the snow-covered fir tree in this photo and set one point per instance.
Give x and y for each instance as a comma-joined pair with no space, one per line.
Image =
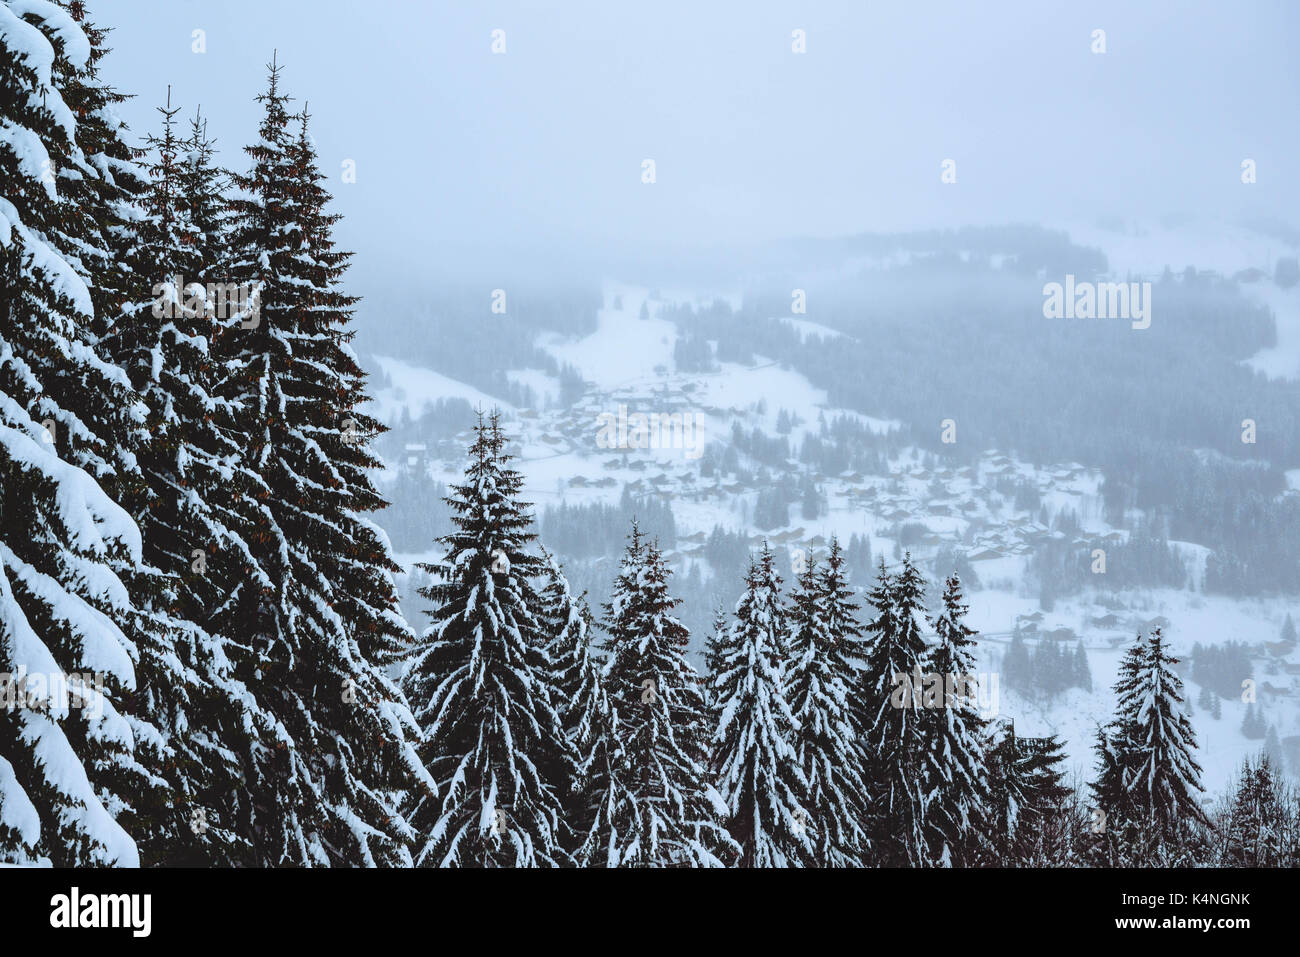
579,697
825,641
1262,829
597,803
1028,819
673,815
608,806
894,659
756,766
481,683
66,417
319,619
714,642
954,774
1147,788
194,521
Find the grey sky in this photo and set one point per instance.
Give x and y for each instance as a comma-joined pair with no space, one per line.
462,154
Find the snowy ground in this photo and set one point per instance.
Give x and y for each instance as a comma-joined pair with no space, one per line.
629,361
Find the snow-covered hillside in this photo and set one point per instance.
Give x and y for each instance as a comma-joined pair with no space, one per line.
628,365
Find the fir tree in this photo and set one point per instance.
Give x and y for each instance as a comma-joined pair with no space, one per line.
481,683
1082,676
671,816
1288,634
1258,825
953,770
1148,775
1252,725
579,697
894,659
1027,817
319,621
1273,748
1017,668
186,506
825,640
714,644
756,765
67,425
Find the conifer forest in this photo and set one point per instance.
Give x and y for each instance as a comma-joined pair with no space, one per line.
570,436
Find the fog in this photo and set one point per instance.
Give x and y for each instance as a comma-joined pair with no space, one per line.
468,159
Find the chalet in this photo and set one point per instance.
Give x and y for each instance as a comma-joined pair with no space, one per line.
417,456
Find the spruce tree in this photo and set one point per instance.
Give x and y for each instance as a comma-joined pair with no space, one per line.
1017,668
1029,822
756,765
714,644
1147,772
825,640
1252,724
579,697
895,654
194,537
66,429
319,621
1258,825
672,813
1288,633
953,770
482,684
597,803
1082,672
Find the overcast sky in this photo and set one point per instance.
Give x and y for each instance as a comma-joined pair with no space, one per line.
461,153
